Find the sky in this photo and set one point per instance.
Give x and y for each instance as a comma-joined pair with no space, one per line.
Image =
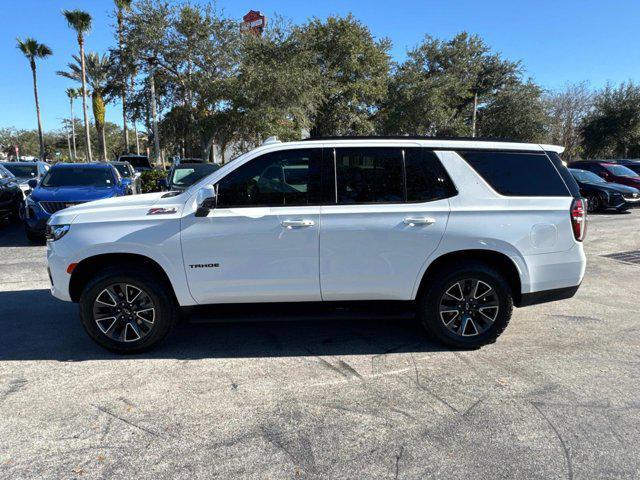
558,42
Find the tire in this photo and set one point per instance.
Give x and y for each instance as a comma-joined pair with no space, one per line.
594,204
437,306
120,336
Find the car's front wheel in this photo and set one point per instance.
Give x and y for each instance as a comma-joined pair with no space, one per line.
127,310
466,306
594,204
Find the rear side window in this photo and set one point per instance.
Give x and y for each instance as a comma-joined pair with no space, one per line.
518,174
369,175
565,174
427,179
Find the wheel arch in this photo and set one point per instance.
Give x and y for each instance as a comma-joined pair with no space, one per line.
497,260
87,268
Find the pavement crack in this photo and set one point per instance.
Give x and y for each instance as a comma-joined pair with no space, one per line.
398,458
565,448
128,422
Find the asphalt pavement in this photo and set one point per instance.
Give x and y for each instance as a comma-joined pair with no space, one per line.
558,396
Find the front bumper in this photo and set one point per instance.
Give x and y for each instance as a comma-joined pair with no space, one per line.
35,217
57,268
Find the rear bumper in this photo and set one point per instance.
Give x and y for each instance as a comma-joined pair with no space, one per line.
545,296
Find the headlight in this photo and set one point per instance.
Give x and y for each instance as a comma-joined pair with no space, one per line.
56,232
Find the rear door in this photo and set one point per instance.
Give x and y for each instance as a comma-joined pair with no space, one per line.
387,214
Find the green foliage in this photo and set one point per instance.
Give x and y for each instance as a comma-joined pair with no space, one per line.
350,72
432,92
517,112
78,20
32,49
149,180
612,129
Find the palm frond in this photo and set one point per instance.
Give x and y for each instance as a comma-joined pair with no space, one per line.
32,49
78,20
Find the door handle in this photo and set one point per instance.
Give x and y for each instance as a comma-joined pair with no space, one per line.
413,221
297,223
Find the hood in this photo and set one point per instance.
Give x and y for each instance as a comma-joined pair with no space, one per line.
121,208
71,194
613,187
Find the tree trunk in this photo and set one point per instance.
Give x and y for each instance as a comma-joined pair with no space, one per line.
475,113
154,119
98,116
87,135
69,144
35,93
73,131
124,87
135,131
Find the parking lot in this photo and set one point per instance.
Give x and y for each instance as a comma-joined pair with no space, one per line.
556,397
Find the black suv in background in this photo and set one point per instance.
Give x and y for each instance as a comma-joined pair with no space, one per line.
10,195
603,195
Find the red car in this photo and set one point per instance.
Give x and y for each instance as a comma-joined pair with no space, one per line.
611,172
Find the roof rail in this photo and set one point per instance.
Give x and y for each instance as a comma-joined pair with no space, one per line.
412,137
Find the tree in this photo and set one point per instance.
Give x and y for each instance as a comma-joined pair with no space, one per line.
442,85
517,112
351,70
34,50
567,111
73,93
612,128
122,6
80,22
97,76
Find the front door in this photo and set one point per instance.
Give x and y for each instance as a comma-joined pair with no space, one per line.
390,213
260,243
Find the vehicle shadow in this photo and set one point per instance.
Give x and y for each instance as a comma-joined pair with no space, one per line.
12,235
36,326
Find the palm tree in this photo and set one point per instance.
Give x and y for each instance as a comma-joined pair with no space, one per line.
97,69
80,21
32,50
73,93
121,7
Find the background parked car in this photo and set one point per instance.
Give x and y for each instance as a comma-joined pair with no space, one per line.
25,171
602,195
611,172
183,175
129,176
140,163
65,185
10,195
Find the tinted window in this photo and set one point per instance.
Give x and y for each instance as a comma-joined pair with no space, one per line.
565,174
426,178
369,175
4,173
634,166
23,171
518,173
136,162
123,169
288,177
78,177
584,176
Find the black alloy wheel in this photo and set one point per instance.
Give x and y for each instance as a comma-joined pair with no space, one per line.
469,307
124,312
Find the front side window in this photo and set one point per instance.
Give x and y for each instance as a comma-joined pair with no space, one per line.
284,178
527,174
621,171
79,177
369,175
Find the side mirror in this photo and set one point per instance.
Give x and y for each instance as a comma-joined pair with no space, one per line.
163,184
206,200
33,183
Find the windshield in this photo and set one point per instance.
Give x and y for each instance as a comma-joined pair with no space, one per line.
186,175
23,171
4,173
123,169
137,162
586,177
78,177
621,171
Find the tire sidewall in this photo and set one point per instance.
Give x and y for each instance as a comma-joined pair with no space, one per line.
430,313
164,318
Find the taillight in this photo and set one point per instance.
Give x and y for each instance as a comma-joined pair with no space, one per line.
579,218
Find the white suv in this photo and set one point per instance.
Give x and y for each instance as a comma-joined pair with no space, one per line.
458,230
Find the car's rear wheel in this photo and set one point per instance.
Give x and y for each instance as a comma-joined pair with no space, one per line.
466,306
126,310
594,204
